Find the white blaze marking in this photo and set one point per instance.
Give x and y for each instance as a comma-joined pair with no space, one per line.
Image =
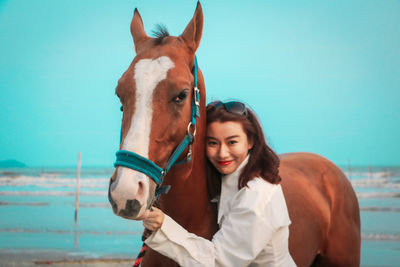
148,74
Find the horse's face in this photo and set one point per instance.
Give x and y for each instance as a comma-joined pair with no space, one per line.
156,95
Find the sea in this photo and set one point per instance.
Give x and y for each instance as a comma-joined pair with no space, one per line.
37,214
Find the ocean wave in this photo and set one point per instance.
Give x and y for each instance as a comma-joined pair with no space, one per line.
372,174
80,232
5,203
83,205
39,185
369,181
381,209
375,183
380,237
48,182
378,195
52,193
34,179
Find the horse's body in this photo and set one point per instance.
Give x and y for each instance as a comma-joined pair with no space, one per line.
323,207
156,94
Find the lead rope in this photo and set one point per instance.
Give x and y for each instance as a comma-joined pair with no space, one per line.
139,258
145,235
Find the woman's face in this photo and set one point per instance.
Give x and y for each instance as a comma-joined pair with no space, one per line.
227,145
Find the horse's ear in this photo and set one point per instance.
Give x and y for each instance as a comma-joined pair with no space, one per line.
137,30
194,30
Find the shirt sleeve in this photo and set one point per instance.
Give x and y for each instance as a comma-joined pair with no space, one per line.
244,232
187,249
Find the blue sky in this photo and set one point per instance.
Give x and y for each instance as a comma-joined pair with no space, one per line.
323,76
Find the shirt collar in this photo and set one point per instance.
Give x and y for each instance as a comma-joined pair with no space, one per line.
229,188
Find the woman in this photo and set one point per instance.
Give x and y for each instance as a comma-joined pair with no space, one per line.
244,179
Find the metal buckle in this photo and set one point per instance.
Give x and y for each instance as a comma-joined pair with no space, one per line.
196,93
189,154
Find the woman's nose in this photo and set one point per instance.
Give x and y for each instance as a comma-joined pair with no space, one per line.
223,151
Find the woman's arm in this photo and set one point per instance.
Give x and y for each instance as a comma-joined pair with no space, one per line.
245,231
173,241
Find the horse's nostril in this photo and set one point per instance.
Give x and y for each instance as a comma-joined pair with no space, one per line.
141,186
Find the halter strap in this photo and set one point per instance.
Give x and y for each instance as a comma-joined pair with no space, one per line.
141,164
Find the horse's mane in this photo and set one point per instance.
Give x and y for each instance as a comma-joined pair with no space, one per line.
160,33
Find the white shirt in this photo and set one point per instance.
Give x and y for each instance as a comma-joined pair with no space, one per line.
254,229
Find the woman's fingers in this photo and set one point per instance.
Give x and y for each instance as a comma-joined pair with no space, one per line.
149,226
153,219
146,214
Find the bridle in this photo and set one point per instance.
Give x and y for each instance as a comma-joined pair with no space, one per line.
141,164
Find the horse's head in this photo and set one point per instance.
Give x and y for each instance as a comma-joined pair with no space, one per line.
156,93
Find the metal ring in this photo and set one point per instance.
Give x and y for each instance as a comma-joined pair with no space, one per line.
188,129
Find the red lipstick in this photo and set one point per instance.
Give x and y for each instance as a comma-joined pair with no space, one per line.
225,163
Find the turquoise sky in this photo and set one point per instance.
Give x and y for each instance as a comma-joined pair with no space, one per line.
323,76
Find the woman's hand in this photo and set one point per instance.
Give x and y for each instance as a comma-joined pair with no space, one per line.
154,219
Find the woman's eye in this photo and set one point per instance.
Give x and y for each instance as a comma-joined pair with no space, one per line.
232,142
181,97
211,143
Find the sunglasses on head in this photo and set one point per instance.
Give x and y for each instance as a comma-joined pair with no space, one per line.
234,107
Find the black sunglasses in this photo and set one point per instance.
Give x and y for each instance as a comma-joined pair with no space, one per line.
234,107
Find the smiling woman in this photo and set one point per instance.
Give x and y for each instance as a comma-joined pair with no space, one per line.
232,132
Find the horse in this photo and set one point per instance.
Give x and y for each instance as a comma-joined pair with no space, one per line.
158,95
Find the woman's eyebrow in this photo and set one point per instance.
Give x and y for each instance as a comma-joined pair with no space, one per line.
232,136
229,137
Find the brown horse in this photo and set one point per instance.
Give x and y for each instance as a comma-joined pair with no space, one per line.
156,93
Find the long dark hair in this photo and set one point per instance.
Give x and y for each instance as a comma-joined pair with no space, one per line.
263,161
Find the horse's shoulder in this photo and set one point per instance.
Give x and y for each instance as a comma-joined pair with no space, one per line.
307,164
303,156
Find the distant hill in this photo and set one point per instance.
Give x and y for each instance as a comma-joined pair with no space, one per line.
11,163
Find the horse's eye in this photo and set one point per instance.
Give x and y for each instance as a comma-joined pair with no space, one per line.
181,97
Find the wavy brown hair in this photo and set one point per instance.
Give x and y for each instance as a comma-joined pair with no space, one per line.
263,161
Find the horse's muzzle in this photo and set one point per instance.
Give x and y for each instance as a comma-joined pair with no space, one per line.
128,193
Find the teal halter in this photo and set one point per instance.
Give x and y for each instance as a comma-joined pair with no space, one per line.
141,164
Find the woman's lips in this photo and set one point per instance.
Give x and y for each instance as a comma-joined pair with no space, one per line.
225,163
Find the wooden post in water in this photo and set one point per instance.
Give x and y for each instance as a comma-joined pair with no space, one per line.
78,177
